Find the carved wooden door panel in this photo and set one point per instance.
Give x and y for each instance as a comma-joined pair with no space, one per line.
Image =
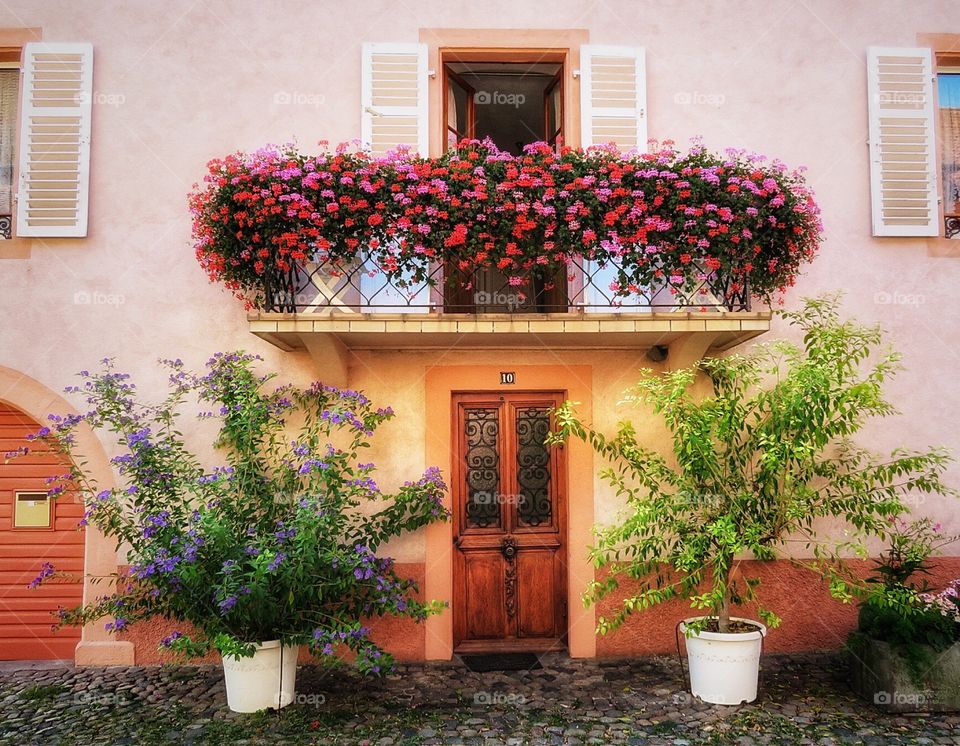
509,524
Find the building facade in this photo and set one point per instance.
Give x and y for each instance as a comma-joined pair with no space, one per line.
109,113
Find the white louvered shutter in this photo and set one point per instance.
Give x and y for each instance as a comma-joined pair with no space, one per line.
53,191
394,97
613,96
903,154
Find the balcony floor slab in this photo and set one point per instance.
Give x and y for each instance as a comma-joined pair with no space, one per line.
515,331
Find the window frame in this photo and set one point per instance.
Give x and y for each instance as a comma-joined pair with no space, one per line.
941,46
941,60
14,175
12,42
481,55
449,75
509,45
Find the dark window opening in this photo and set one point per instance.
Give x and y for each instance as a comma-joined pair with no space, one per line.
513,104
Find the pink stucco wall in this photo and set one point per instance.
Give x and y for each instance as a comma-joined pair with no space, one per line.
177,83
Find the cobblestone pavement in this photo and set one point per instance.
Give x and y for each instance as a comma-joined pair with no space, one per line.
804,700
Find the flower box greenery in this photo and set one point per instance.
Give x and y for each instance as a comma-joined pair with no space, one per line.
278,541
735,223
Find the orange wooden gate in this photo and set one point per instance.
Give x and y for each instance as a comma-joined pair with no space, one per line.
33,530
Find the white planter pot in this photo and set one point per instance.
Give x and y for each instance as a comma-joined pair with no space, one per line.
257,683
724,666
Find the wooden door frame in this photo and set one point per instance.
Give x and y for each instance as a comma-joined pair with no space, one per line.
504,399
470,113
551,139
440,382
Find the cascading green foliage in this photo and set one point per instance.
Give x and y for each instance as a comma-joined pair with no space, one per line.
757,466
900,608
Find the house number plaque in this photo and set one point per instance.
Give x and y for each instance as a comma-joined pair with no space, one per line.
507,377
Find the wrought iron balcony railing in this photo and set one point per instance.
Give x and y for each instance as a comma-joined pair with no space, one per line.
325,288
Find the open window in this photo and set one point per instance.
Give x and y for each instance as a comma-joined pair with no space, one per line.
513,102
9,91
948,97
515,96
53,191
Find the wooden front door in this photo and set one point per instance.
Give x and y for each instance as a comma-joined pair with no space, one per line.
509,525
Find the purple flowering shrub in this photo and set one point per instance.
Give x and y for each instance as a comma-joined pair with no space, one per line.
279,541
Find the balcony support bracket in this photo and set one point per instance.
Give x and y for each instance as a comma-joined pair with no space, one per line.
689,349
330,356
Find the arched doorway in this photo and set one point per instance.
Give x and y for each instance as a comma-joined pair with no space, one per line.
35,529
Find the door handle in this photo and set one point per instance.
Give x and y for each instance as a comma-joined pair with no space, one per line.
508,548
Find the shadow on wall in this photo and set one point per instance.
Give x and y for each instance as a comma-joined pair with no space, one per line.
812,618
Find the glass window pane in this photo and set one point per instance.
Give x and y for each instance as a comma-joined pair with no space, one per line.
949,96
483,467
535,506
9,84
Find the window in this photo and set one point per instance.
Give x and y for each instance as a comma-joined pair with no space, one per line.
491,84
54,157
512,103
915,138
9,88
903,148
948,89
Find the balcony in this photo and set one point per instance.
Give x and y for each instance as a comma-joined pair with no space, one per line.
477,248
326,308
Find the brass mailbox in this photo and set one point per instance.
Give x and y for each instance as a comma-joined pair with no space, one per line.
32,510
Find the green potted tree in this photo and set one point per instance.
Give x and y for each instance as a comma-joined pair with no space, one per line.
764,458
272,547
